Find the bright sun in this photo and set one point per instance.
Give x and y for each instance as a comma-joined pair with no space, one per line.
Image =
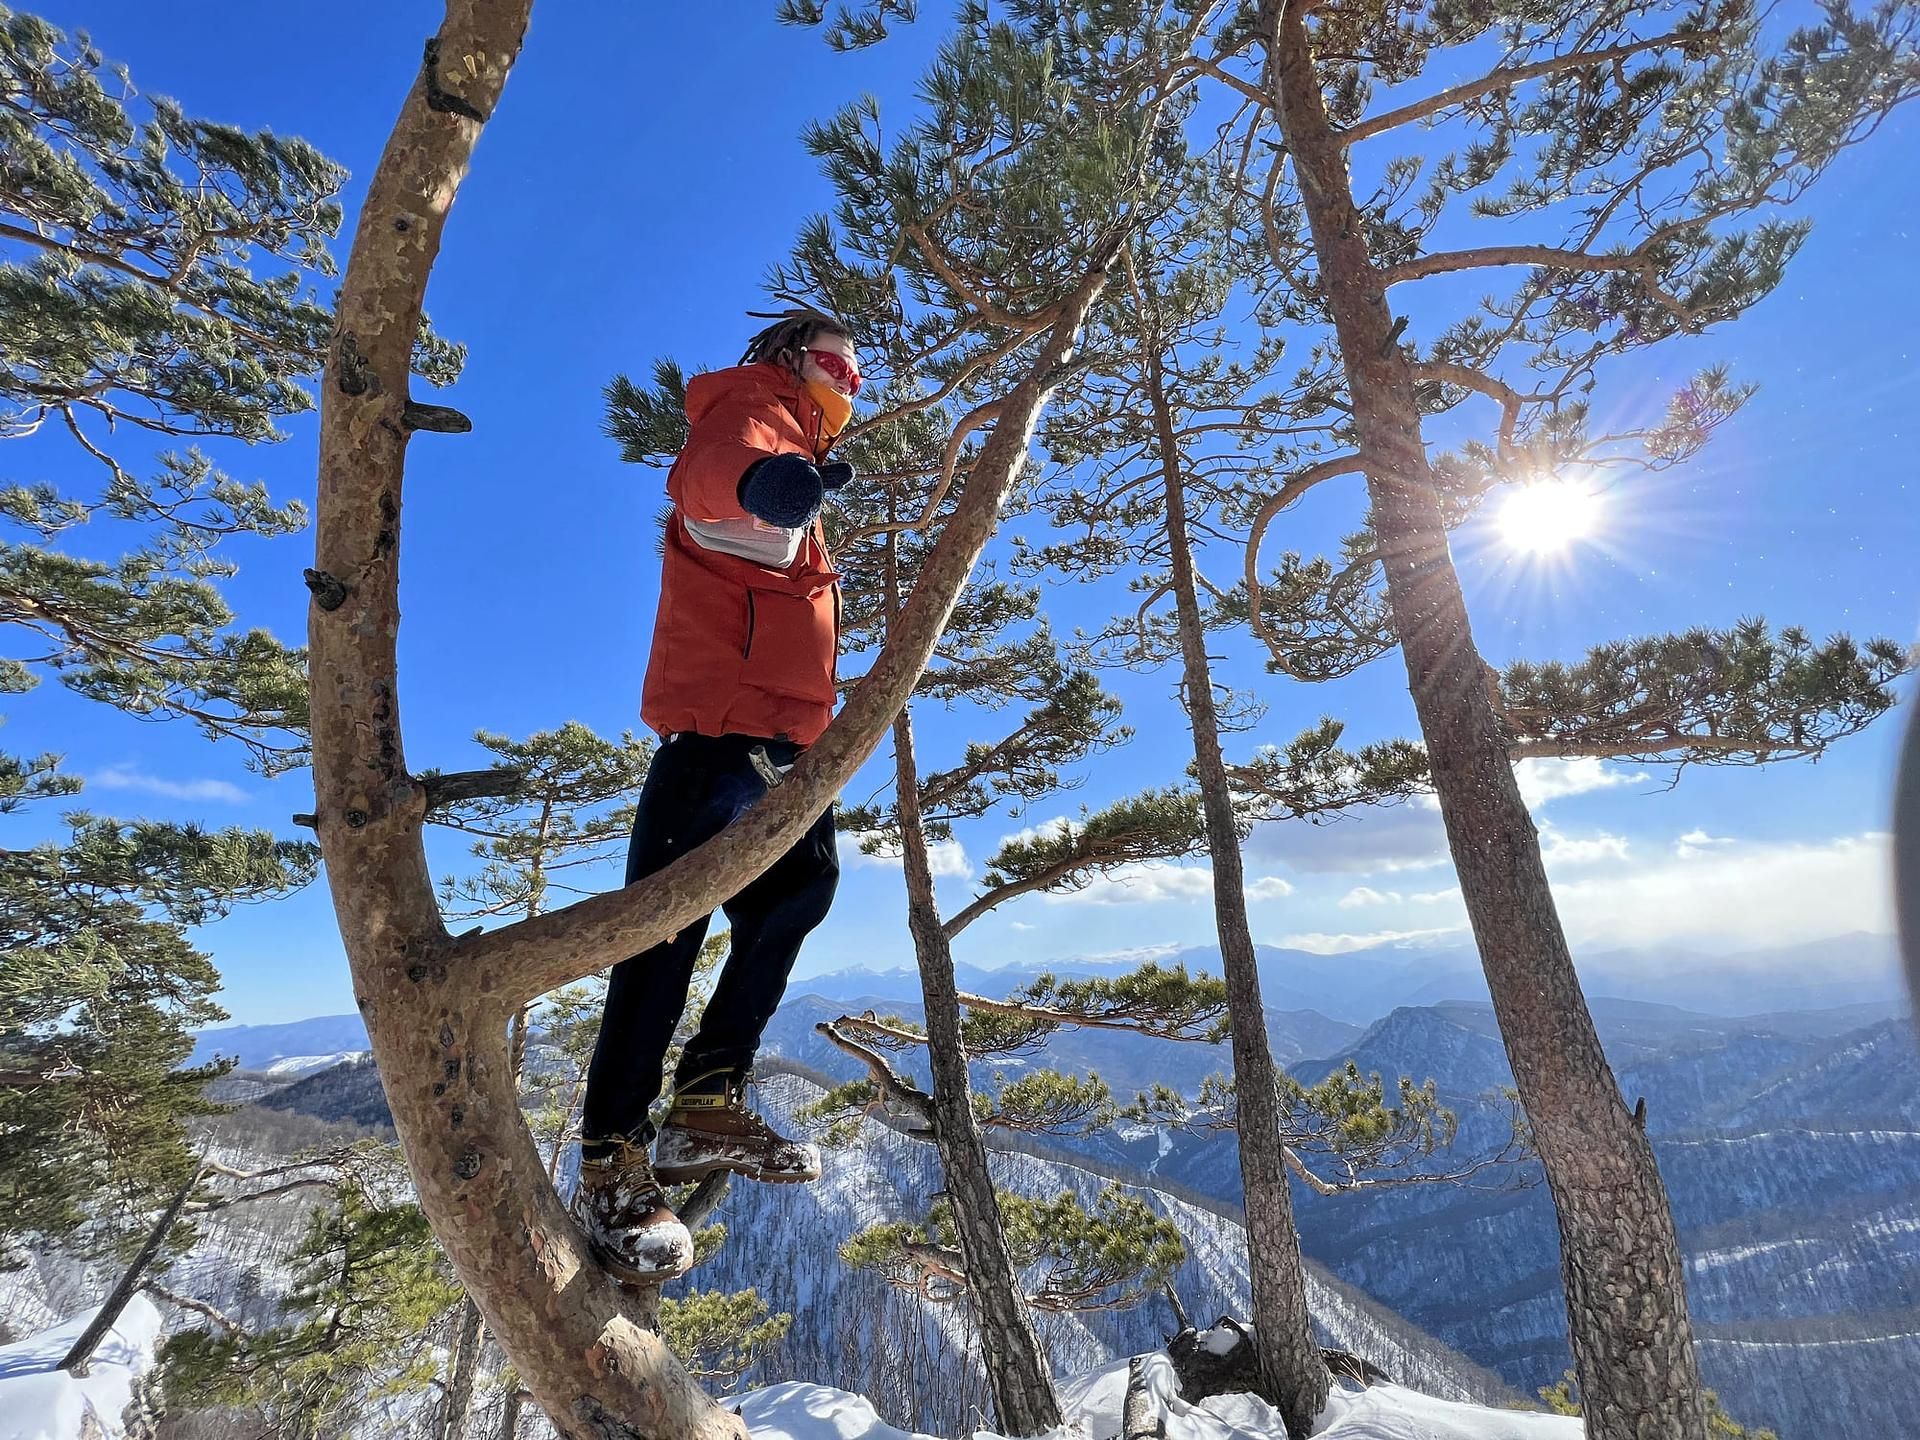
1547,516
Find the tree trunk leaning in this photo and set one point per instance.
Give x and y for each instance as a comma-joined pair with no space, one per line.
1620,1259
1294,1377
79,1357
1016,1368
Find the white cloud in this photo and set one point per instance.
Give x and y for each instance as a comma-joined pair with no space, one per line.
1142,884
1560,850
1698,842
1366,895
1368,842
1135,955
1019,925
1268,887
125,777
1321,943
1730,896
1543,781
948,858
1046,828
1450,895
1398,838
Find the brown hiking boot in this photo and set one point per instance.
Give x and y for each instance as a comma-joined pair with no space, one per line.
709,1129
633,1230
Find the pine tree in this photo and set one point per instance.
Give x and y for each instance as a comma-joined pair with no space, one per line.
1164,443
1681,129
1106,1258
100,991
370,1290
560,803
155,280
1070,719
1109,1257
154,274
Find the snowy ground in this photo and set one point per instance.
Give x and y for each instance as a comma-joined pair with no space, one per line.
1093,1405
40,1402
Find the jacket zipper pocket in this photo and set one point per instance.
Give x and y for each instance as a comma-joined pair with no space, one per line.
746,651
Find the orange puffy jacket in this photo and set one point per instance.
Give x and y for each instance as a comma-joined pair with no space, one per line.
739,648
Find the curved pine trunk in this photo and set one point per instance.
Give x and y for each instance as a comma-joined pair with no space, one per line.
438,1009
1620,1259
442,1048
1291,1369
1016,1368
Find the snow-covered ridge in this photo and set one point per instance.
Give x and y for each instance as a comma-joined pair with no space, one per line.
39,1401
294,1066
853,1332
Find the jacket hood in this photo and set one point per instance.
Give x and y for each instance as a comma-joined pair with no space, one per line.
706,390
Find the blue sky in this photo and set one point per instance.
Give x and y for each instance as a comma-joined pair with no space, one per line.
643,172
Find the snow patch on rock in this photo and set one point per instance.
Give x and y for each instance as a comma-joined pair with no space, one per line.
1218,1341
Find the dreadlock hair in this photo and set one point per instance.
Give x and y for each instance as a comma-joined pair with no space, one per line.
791,332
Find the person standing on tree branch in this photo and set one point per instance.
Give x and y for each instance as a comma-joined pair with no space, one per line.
739,682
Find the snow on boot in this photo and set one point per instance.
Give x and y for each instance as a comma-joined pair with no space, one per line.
634,1232
709,1129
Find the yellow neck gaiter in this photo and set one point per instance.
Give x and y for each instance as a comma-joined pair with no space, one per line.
836,409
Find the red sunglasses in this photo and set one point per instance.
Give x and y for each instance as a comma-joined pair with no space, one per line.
836,366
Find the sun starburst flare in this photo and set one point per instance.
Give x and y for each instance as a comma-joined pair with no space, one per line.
1548,516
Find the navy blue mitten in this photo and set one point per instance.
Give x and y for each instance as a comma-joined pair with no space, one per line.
836,474
783,490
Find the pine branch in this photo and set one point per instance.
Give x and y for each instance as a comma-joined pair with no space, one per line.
895,1090
1505,79
1288,495
1639,262
1466,377
198,1307
168,284
973,420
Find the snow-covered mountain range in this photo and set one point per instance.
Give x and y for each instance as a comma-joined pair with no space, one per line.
1334,996
1790,1143
1790,1146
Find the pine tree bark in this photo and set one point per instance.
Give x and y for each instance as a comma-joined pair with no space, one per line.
1620,1259
437,1009
1016,1368
1294,1376
458,1408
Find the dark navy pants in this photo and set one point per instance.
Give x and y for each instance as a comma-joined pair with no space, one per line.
696,787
